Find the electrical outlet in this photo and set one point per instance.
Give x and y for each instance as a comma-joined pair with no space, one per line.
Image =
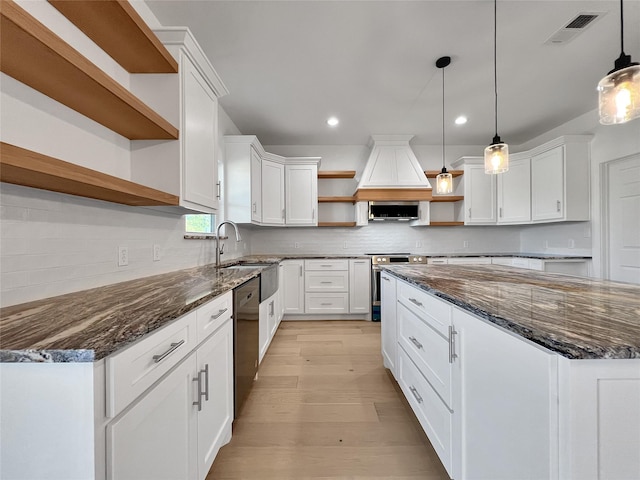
123,256
344,245
465,244
587,231
572,243
546,244
156,252
296,245
418,244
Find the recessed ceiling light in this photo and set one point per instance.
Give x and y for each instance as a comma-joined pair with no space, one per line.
461,120
333,121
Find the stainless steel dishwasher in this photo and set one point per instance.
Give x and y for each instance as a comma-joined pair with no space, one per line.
246,303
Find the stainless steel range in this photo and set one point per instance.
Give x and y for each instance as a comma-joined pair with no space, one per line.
378,259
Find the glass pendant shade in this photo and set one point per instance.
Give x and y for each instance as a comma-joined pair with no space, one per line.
619,96
444,182
496,157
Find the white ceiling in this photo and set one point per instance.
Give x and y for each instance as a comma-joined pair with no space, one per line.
289,65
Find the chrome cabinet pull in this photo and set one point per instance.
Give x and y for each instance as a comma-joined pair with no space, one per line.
326,266
324,283
300,270
271,309
218,185
325,304
500,212
220,312
283,213
558,206
415,342
416,302
452,344
469,213
198,402
386,279
174,346
255,207
416,394
206,381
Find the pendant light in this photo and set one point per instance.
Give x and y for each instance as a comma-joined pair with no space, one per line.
619,91
496,155
444,180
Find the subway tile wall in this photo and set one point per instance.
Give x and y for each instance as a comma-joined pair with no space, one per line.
52,244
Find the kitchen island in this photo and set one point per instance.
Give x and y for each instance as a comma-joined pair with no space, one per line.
518,374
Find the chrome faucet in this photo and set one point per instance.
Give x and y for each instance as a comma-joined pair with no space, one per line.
219,250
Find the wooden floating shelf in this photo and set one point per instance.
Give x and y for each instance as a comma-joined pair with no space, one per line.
446,224
337,174
336,224
35,56
30,169
118,29
447,198
435,173
337,199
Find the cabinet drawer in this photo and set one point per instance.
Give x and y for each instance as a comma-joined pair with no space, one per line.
435,312
427,349
327,303
433,415
508,261
334,281
134,369
326,264
213,314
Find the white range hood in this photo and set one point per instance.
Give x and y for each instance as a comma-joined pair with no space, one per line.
392,172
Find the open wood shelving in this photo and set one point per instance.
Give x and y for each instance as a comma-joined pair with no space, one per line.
350,199
446,224
37,57
337,174
30,169
133,45
446,198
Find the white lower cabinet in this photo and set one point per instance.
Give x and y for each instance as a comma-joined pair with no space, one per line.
156,439
359,286
176,429
268,323
388,322
496,406
293,286
505,404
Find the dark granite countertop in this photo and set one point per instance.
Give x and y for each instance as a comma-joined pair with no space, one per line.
90,325
578,318
540,256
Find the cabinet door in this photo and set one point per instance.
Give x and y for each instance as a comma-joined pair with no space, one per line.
293,286
505,401
359,286
263,330
215,368
272,316
479,196
256,187
156,438
301,186
272,192
388,322
199,132
514,193
547,185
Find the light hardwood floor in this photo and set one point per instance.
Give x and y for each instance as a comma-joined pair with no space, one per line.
324,407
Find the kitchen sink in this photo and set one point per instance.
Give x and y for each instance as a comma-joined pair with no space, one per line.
268,276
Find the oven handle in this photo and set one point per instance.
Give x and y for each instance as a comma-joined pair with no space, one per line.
374,284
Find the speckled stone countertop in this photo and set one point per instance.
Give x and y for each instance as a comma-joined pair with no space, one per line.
576,317
90,325
540,256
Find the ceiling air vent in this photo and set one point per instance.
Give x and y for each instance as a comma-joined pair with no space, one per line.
574,27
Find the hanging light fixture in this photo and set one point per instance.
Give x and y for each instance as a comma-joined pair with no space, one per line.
496,155
619,91
444,180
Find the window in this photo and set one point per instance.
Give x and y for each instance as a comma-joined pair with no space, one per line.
199,223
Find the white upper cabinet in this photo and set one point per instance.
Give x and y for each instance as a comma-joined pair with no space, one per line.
479,192
514,192
272,192
243,178
560,180
187,167
301,187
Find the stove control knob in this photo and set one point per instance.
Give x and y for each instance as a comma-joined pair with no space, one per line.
420,259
